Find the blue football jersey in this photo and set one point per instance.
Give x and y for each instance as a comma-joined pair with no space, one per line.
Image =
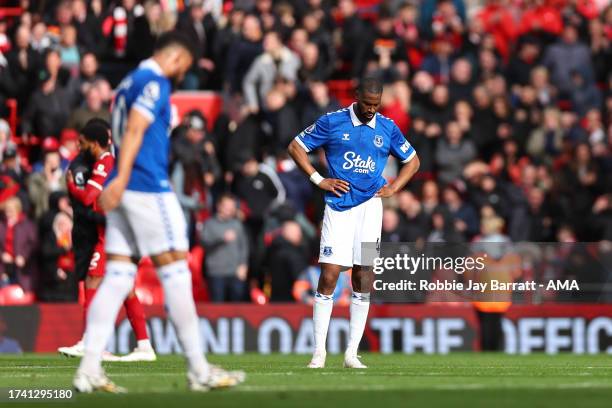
356,152
148,91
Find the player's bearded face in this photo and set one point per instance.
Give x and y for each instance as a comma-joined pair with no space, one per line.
84,147
183,63
368,104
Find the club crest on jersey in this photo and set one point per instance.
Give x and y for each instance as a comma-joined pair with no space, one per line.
327,251
378,141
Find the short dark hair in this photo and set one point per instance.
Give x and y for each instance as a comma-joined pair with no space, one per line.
370,85
96,132
175,38
52,50
100,122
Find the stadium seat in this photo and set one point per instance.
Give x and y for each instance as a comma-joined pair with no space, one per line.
343,90
15,295
146,273
209,103
258,296
149,289
145,295
200,290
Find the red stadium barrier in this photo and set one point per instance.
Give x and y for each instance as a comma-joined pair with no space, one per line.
15,295
10,12
209,103
239,328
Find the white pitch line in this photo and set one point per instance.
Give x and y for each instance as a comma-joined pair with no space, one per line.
35,367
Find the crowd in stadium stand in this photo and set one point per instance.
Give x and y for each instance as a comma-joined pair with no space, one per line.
508,104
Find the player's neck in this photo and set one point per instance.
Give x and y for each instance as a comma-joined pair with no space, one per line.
161,63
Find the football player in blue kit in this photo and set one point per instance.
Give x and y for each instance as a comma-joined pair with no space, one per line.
357,142
144,218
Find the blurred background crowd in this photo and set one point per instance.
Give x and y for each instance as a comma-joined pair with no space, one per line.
508,104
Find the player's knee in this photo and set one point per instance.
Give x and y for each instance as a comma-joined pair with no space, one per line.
362,279
176,273
361,285
327,283
120,275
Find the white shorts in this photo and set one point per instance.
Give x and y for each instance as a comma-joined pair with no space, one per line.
344,231
146,224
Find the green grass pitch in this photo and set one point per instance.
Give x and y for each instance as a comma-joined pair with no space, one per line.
455,380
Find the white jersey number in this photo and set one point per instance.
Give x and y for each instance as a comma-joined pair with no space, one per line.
119,119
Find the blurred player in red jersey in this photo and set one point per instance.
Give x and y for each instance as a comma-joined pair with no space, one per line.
86,177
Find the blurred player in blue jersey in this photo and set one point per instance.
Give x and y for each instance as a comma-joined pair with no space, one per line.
357,142
144,218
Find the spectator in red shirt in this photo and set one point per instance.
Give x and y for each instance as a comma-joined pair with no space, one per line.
395,104
18,241
497,19
118,26
406,28
447,22
58,282
541,19
8,187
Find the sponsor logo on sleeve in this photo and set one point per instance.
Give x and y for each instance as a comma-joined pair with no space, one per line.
79,179
310,129
100,170
150,95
